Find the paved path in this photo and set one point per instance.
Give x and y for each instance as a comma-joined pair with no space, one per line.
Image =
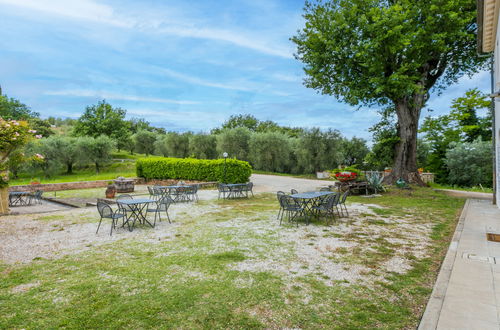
467,291
273,183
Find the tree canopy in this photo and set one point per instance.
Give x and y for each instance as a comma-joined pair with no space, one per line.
102,119
379,52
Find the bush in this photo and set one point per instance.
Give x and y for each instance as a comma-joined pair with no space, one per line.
470,163
237,171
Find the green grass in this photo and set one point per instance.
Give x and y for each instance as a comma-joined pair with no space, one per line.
188,281
453,187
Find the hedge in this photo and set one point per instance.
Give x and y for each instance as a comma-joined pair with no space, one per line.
237,171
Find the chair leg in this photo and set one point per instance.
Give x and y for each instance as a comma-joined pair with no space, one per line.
112,225
168,216
98,226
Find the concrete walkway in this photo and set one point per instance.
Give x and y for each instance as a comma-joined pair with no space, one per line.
467,292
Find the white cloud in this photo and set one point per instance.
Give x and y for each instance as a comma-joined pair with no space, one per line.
198,81
115,96
74,9
89,10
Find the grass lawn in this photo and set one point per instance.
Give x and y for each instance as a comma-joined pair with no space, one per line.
475,189
228,264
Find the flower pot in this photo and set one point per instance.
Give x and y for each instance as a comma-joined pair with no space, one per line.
111,191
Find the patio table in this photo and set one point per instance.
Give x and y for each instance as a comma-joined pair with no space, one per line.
310,199
19,198
177,192
136,208
235,190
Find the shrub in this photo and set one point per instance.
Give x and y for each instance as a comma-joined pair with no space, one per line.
470,163
237,171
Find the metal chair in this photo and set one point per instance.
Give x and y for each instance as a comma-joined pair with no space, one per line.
342,203
291,208
249,188
151,192
36,196
192,192
223,190
324,189
278,195
105,211
293,192
124,196
328,205
159,206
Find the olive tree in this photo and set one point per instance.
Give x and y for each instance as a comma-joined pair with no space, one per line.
270,151
96,151
379,52
235,142
202,146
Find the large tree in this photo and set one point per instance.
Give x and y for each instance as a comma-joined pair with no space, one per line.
389,52
102,119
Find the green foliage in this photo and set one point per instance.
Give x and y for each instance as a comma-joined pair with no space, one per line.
235,142
203,146
96,151
463,123
354,151
236,171
378,52
470,163
144,142
60,149
173,145
317,150
256,125
270,151
102,119
13,109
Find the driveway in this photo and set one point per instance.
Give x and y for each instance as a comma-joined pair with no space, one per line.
274,183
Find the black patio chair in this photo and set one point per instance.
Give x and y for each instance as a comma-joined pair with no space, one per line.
342,203
293,192
105,211
324,189
192,193
159,206
249,188
223,190
291,208
151,192
328,206
36,197
278,195
124,196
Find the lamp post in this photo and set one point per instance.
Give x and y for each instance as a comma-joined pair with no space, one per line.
225,156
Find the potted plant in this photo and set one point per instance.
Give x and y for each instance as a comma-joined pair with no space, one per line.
110,190
346,174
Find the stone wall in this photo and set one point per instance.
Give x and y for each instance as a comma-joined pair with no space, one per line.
93,184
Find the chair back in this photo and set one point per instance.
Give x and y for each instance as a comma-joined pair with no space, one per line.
249,186
151,191
293,191
344,197
164,203
104,209
38,194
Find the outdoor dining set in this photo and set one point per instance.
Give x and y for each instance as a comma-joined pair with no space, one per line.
25,198
235,190
135,210
315,204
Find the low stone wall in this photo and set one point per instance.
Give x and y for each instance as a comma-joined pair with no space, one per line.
66,185
94,184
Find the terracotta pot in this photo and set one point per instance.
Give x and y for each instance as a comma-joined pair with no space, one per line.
4,200
110,191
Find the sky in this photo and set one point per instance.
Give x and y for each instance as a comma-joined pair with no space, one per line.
181,65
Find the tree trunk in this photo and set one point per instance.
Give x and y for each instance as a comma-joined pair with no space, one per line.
69,168
405,161
97,167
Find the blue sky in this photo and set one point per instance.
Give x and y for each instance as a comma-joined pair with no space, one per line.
181,65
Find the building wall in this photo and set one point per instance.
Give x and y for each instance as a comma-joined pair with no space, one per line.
496,81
